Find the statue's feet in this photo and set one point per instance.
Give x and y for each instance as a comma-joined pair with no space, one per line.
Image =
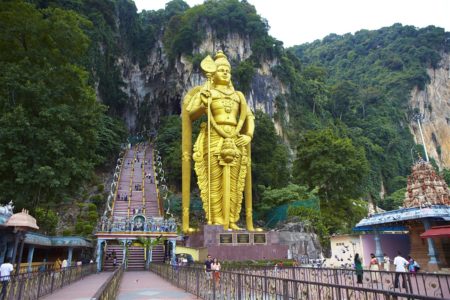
251,228
233,226
217,221
190,230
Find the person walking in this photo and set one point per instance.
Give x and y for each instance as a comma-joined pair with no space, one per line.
411,265
400,270
6,269
374,266
387,262
208,270
358,268
64,264
215,267
57,264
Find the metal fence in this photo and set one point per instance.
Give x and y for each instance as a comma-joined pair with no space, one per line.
422,283
300,283
30,286
108,291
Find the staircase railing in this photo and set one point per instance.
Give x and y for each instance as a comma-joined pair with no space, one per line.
110,288
291,283
30,286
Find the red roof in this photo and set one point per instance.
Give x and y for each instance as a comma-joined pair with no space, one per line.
437,232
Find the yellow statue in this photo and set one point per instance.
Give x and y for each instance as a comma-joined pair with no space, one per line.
224,175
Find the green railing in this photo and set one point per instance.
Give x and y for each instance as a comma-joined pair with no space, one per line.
108,291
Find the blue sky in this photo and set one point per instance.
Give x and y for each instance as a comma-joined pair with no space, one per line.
300,21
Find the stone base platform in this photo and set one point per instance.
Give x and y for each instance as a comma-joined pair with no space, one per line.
238,245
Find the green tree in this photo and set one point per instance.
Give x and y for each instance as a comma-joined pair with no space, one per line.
394,200
272,198
168,143
47,220
269,154
332,164
51,125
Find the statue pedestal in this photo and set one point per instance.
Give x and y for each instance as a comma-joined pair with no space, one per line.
238,245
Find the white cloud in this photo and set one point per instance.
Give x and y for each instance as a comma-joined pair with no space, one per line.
299,21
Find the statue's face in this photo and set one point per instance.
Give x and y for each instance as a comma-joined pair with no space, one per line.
223,75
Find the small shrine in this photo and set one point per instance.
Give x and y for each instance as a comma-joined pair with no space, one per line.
426,207
17,238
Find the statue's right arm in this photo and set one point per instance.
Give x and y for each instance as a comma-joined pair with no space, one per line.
196,105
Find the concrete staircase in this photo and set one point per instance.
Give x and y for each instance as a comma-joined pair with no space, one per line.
158,254
141,198
150,193
136,258
108,261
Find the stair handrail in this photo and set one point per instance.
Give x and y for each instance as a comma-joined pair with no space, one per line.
114,196
131,182
143,183
156,181
109,289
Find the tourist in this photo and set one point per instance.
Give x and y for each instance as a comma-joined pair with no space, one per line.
43,266
64,264
215,267
208,270
400,269
5,271
411,265
374,266
358,268
57,264
387,262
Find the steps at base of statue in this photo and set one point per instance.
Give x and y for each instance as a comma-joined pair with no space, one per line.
136,259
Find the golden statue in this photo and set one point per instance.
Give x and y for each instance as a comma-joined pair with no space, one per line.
224,175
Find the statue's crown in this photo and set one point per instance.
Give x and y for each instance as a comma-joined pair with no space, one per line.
221,59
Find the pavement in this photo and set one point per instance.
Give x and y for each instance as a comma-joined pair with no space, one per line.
83,289
141,285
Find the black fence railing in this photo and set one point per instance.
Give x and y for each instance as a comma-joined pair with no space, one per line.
108,291
30,286
421,283
303,283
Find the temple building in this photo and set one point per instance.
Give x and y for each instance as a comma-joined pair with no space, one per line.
425,215
28,250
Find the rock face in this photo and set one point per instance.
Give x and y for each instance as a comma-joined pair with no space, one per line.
434,104
157,87
302,242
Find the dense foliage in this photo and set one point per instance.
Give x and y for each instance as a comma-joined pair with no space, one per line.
53,132
186,30
370,76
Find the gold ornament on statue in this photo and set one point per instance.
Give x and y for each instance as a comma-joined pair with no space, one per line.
222,150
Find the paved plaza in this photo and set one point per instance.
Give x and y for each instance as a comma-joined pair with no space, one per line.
140,285
83,289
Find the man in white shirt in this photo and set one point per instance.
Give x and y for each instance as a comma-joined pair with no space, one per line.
64,264
400,270
5,271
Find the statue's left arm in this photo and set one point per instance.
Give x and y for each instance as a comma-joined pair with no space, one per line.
246,134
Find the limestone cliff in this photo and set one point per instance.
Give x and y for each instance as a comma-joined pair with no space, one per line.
434,104
157,87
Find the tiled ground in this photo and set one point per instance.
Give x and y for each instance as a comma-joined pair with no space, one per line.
142,285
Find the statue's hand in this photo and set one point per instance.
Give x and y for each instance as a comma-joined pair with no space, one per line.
243,140
204,96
